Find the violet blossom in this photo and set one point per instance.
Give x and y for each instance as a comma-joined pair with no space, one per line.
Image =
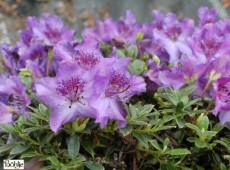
222,99
12,59
13,93
109,31
206,16
172,36
114,88
6,114
66,95
49,29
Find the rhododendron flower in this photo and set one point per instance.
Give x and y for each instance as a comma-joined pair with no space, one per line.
49,29
13,93
66,94
5,114
12,59
172,35
86,54
208,42
206,15
222,99
126,28
113,89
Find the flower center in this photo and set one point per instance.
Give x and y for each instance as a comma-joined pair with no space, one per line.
71,89
87,60
118,84
15,101
224,93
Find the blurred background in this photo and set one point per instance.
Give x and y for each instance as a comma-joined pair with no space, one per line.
83,13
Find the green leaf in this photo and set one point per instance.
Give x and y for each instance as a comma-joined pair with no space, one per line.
218,127
223,167
89,147
8,128
146,109
203,123
50,167
180,122
1,142
199,167
210,134
194,127
19,149
166,119
32,129
28,154
143,139
5,148
192,139
222,142
133,51
38,115
126,130
137,122
166,142
43,109
178,152
79,125
199,143
179,107
139,36
137,66
155,144
73,146
120,53
187,90
133,111
168,167
46,140
54,161
192,102
171,98
165,128
94,166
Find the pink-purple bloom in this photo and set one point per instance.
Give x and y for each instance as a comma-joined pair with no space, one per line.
66,95
113,88
74,78
222,99
5,114
13,93
49,29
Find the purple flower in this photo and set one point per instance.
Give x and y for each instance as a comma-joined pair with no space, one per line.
169,37
13,61
49,29
86,54
13,93
125,29
153,71
6,115
208,42
207,15
172,78
110,90
67,95
222,99
173,36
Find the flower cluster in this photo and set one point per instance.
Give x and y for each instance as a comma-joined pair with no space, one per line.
72,78
179,53
80,80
